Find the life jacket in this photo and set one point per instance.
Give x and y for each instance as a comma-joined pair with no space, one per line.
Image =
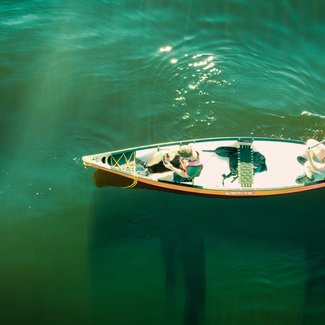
193,168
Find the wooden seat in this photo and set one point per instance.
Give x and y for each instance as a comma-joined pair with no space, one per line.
245,164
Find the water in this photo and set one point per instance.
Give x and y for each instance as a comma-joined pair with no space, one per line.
85,77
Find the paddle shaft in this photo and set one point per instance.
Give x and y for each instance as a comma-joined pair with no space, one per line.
315,145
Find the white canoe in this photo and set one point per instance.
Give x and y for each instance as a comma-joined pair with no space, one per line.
279,178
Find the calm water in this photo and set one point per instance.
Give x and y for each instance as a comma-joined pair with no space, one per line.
81,77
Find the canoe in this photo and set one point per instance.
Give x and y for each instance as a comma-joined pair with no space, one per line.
217,177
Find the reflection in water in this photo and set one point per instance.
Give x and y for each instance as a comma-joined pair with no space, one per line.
175,259
182,272
102,178
186,249
314,300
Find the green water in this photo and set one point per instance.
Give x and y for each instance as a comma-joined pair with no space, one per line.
83,77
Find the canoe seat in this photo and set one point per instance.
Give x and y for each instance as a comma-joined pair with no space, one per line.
197,175
245,164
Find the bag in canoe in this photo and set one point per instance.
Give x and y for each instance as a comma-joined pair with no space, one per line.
258,160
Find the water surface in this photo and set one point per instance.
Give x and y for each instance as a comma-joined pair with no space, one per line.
84,77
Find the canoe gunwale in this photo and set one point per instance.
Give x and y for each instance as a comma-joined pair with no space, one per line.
193,141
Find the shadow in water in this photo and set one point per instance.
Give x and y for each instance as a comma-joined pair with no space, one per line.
185,249
314,300
102,179
127,224
149,248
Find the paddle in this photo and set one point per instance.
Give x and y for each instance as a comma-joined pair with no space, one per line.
223,151
315,145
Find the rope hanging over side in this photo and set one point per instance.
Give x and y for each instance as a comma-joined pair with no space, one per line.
135,181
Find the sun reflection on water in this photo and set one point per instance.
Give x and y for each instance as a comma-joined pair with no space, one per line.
198,81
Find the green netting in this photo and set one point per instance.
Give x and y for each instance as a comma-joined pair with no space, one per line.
123,161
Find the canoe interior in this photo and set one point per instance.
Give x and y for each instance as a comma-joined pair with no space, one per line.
281,161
